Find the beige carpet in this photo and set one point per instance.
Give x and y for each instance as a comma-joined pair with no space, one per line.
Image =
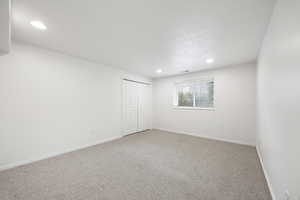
148,166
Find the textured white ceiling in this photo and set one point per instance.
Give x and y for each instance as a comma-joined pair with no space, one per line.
144,35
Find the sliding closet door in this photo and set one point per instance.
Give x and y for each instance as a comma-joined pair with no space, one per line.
137,107
130,107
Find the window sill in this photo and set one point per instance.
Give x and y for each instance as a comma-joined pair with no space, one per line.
193,108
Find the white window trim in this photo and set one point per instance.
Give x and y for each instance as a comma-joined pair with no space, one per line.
187,81
175,97
193,108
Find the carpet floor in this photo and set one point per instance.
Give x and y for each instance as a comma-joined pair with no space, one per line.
153,165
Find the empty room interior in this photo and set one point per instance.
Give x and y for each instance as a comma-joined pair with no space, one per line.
150,100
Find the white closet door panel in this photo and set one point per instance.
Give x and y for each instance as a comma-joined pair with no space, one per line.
149,107
131,99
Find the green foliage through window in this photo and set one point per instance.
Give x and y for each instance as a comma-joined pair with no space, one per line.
196,94
185,99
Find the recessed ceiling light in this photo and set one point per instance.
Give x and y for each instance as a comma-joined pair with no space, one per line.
159,71
38,25
209,60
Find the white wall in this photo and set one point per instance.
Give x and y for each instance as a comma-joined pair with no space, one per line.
5,26
278,100
235,101
51,103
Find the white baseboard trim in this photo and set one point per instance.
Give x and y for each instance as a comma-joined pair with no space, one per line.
206,137
25,162
266,174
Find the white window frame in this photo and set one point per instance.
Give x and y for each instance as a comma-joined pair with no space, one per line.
189,82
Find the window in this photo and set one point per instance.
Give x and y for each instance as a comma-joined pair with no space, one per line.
194,94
